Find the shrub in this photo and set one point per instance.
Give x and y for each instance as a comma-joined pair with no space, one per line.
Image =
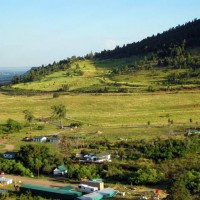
56,95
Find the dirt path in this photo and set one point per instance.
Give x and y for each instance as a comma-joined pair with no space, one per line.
35,181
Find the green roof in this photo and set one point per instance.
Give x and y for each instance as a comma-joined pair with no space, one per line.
62,168
51,190
69,187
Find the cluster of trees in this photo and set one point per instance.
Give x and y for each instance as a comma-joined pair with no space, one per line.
36,73
39,158
11,126
14,167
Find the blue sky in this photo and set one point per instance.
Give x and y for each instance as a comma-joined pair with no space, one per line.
36,32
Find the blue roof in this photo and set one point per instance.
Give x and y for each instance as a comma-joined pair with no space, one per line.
91,196
101,194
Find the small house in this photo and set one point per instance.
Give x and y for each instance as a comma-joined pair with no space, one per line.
9,155
39,139
60,170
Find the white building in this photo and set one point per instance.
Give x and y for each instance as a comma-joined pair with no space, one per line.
6,181
60,170
87,188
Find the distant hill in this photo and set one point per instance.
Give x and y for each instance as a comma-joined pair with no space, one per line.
189,33
6,76
165,62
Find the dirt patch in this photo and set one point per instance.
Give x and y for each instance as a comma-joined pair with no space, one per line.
35,181
9,147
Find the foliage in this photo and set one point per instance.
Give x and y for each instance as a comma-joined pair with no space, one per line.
56,95
65,146
28,196
12,166
13,125
76,124
83,171
59,112
146,176
38,157
179,191
28,115
192,180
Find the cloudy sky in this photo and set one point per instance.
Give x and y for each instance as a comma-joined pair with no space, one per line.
36,32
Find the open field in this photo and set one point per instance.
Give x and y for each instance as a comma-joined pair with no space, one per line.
115,115
108,110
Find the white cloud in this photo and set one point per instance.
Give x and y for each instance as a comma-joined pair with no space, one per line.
111,44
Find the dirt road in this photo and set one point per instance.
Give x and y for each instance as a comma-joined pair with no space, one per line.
47,182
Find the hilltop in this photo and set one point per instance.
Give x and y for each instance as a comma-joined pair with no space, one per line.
165,62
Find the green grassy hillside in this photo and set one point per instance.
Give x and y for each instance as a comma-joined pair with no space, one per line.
99,76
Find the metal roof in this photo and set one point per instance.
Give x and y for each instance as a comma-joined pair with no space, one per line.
52,190
62,168
91,196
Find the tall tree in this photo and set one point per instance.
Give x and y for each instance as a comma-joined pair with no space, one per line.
59,112
28,115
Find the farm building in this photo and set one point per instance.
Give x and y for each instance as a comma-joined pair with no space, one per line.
6,181
62,193
60,170
39,139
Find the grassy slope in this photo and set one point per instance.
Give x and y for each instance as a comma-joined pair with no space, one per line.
96,76
117,115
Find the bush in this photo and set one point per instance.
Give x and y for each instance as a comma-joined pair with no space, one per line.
56,95
76,124
13,125
147,176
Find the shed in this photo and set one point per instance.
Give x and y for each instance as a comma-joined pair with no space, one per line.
50,193
60,170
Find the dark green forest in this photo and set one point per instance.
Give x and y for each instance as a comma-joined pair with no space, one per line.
189,32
